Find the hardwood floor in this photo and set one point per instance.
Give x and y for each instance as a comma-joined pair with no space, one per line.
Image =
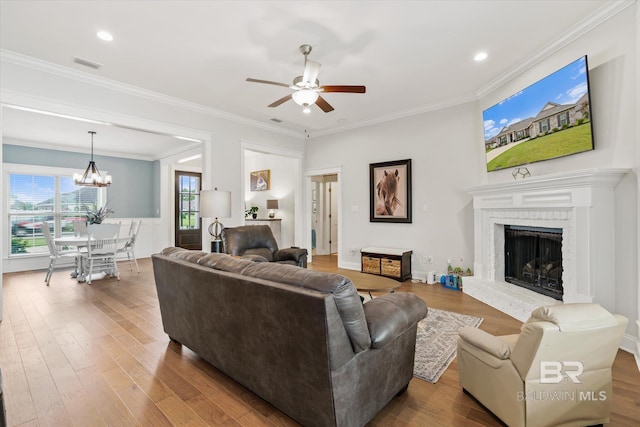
92,355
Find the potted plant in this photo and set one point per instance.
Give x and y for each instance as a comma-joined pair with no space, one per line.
253,211
96,215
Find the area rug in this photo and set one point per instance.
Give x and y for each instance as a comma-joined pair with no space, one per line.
436,343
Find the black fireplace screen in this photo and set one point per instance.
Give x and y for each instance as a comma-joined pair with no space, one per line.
533,259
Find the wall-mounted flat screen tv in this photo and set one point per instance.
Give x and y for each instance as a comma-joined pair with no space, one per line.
549,119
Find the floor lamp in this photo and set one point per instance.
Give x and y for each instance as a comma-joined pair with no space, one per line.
215,204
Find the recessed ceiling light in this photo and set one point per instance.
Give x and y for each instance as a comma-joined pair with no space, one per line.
480,56
104,35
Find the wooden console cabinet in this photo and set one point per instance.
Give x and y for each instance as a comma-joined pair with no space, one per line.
388,262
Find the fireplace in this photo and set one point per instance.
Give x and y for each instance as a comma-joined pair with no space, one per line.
574,213
533,259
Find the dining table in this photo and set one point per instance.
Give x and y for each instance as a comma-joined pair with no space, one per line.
80,242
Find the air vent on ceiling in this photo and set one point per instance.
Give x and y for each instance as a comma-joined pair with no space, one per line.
86,62
276,120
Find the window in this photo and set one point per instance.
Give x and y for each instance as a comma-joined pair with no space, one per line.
189,201
563,119
48,196
544,126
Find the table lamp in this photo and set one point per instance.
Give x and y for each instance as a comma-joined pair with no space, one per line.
272,205
215,204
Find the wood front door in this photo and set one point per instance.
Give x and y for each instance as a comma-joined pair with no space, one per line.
188,224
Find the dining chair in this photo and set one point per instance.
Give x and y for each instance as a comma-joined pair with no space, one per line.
80,228
56,255
101,231
129,246
100,257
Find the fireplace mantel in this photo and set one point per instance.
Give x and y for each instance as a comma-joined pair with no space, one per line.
578,202
588,177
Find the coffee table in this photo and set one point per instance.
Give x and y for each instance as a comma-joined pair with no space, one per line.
369,283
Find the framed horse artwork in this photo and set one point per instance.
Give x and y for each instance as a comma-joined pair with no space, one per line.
390,191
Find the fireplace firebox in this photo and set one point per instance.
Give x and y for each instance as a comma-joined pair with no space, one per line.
533,259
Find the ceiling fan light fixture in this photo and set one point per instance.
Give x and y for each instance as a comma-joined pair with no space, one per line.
305,97
306,110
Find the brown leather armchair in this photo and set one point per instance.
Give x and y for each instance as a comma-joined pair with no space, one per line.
256,242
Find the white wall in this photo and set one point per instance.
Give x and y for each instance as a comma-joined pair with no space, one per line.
446,147
282,187
443,163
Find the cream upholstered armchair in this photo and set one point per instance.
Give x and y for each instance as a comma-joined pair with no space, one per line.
556,372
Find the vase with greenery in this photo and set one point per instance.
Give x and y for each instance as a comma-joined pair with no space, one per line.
95,214
251,212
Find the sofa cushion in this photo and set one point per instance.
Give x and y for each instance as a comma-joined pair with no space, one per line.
255,258
183,254
344,293
224,262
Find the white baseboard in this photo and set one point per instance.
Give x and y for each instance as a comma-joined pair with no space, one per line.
637,352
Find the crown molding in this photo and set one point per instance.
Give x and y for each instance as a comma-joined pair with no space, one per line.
450,102
66,72
609,10
72,149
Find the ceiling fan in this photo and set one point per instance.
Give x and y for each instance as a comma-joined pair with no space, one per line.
307,89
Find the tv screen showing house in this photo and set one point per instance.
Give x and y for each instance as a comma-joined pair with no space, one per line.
549,119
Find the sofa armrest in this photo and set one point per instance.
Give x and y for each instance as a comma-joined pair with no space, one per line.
390,315
294,254
486,342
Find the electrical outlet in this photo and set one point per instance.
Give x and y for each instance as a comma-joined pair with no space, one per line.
430,259
425,259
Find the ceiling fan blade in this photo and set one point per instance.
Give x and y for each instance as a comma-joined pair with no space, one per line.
311,70
267,82
342,88
280,101
324,105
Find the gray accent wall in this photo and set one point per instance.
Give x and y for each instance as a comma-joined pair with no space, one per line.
135,192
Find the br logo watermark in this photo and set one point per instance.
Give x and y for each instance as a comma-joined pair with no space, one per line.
554,372
551,371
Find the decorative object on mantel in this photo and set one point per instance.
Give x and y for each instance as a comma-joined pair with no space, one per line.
520,173
215,204
251,212
96,215
272,205
92,176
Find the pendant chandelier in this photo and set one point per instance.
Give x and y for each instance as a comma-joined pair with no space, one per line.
92,176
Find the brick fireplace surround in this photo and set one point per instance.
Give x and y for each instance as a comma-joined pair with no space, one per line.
580,203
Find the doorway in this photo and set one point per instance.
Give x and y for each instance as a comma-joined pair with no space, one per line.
188,223
324,214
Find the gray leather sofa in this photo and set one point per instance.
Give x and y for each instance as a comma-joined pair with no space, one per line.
258,243
300,339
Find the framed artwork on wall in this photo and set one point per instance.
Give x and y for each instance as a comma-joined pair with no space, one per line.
390,191
260,180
